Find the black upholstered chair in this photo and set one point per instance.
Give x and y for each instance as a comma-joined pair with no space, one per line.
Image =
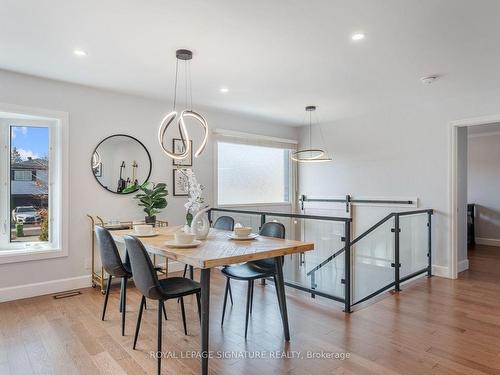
146,280
253,270
113,265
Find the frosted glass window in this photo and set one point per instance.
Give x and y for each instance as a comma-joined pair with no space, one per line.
248,174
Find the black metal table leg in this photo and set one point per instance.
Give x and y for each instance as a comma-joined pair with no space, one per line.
280,289
205,313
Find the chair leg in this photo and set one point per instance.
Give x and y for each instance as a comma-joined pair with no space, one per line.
230,291
251,297
183,275
108,287
228,287
279,300
198,302
158,350
165,311
121,295
183,313
249,291
139,318
145,307
124,303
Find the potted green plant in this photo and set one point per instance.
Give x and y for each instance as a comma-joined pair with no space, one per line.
151,196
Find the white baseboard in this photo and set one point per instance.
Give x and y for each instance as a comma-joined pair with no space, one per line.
441,271
487,241
463,265
46,287
56,286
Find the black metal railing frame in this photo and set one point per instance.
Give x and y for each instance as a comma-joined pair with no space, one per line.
348,244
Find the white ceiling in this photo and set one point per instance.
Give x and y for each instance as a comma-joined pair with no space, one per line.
276,56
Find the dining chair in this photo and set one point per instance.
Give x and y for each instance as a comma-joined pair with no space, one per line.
251,271
146,280
113,265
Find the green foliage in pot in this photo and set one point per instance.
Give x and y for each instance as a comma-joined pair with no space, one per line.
151,197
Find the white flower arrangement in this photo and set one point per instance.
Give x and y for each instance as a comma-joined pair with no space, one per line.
195,190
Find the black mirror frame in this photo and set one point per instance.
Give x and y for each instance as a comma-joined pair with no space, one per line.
120,135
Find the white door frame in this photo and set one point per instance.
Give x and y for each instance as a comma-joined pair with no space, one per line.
453,183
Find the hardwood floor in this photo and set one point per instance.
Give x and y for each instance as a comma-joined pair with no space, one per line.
434,326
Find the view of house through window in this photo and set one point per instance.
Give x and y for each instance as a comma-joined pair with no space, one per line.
29,183
248,174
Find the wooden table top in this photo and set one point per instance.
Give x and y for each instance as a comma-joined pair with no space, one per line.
217,249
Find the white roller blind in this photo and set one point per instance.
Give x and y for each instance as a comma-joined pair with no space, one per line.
231,136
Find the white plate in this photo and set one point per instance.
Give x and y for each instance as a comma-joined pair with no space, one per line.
144,235
182,246
251,236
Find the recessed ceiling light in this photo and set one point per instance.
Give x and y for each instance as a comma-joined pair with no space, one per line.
358,36
80,52
224,90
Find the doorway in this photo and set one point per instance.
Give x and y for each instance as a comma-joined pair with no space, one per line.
474,191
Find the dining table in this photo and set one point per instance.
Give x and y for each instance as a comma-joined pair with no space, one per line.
218,250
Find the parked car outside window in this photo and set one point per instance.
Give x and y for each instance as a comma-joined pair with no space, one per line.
26,215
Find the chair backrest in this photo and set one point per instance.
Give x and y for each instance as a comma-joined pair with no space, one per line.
110,257
270,229
145,277
224,223
273,229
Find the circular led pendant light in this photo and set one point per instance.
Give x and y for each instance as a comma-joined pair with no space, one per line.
185,56
310,155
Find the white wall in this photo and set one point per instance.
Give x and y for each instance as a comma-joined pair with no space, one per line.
398,149
95,114
484,184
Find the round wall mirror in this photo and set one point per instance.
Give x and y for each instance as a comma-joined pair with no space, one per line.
120,162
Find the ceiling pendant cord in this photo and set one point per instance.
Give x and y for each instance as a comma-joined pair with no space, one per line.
310,132
190,88
185,85
175,84
322,138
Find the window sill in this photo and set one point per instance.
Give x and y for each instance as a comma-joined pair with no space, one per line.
27,255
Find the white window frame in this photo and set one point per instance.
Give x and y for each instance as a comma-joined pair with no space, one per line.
57,122
230,136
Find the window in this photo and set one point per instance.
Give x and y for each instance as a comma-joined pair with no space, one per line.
31,170
22,175
252,174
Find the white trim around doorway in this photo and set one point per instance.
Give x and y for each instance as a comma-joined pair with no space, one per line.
455,268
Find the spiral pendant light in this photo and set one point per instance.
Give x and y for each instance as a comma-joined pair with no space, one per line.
310,155
185,56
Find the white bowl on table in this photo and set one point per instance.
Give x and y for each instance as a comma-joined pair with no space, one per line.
143,229
242,231
183,238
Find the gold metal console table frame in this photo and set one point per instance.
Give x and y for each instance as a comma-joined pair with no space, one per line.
99,278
